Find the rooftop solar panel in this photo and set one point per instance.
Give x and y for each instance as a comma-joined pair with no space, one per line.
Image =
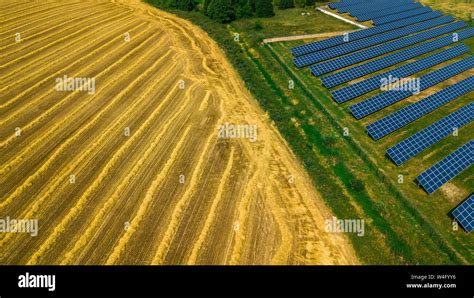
353,58
398,119
386,11
390,97
430,135
337,40
342,49
399,16
447,168
464,214
357,89
391,59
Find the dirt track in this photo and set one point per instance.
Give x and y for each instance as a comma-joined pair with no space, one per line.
128,205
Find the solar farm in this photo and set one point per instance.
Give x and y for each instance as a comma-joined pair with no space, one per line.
406,40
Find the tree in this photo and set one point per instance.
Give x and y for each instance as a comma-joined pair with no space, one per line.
300,3
187,5
205,6
221,11
253,4
284,4
245,11
264,9
310,2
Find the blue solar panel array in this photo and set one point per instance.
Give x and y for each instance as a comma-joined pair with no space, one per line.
350,59
447,168
339,50
430,135
384,11
352,91
343,3
390,97
399,16
337,40
464,214
392,59
399,25
362,7
396,120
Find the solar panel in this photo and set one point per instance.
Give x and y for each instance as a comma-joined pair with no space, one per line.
337,5
343,3
430,135
447,168
342,49
399,16
353,58
337,40
385,8
386,11
357,89
464,214
390,97
396,120
392,59
363,7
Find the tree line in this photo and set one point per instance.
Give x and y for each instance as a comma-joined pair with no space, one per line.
225,11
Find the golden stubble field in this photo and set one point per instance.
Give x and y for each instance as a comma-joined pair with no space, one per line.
170,191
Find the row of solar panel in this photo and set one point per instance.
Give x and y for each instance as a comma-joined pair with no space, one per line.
430,135
452,165
385,12
399,16
363,7
352,91
392,59
368,42
408,114
464,213
446,169
390,97
393,8
337,40
360,56
343,3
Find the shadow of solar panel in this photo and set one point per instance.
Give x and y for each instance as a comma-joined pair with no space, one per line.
357,89
337,40
399,16
464,214
386,11
430,135
387,98
447,169
361,8
391,59
353,58
398,119
359,44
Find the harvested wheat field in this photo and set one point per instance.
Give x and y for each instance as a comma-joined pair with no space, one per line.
133,170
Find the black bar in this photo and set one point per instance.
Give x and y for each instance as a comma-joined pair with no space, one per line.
289,281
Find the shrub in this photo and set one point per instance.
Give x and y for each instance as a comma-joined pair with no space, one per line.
264,9
284,4
221,11
258,25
